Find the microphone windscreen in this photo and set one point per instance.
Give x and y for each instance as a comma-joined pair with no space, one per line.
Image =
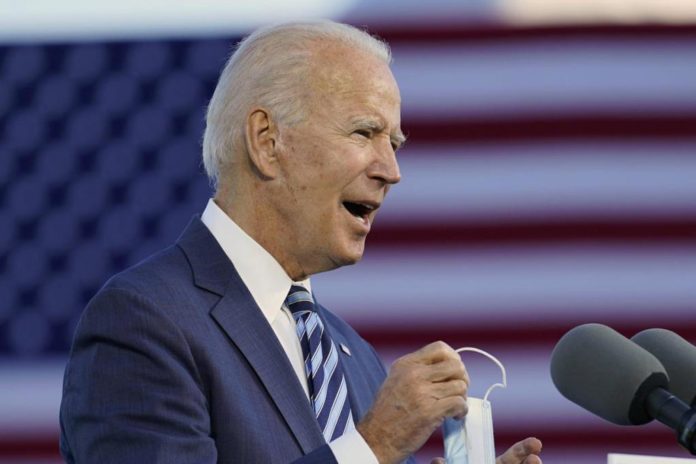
677,356
606,373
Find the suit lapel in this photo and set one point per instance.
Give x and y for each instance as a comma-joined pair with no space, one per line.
243,322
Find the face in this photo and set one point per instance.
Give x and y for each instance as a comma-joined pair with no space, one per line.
338,164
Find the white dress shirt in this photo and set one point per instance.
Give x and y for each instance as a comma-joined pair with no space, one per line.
269,285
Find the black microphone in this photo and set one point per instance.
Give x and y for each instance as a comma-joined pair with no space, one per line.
606,373
677,356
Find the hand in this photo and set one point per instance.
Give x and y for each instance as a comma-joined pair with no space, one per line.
421,390
522,452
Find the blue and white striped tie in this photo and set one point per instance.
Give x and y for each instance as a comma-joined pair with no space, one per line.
328,390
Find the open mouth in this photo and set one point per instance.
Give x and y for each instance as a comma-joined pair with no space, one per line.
359,210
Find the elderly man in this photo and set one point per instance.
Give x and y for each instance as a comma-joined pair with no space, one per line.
214,350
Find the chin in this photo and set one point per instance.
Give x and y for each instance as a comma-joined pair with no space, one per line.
345,255
352,255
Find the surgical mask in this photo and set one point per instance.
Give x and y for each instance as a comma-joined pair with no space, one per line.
470,440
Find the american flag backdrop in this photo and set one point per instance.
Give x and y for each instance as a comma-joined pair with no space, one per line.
549,180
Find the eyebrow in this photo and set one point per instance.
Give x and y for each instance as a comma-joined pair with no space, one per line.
368,123
399,139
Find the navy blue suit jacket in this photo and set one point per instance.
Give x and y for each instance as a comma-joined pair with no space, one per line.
173,362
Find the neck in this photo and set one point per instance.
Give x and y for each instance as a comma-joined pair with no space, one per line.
261,224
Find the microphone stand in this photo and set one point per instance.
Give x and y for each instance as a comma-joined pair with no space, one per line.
675,414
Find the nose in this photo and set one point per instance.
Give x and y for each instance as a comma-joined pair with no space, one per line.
385,167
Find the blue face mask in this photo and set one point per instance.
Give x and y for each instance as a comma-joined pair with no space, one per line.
470,440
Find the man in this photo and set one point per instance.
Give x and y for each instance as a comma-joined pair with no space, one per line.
214,350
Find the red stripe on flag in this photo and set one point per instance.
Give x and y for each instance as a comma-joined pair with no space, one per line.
462,130
15,445
448,234
558,440
555,439
474,33
535,334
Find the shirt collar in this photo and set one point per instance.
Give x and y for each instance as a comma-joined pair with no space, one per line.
265,278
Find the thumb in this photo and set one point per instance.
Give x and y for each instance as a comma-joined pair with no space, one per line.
519,451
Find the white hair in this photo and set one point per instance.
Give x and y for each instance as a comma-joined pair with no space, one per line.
270,68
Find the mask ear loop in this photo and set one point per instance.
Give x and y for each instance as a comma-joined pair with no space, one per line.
495,360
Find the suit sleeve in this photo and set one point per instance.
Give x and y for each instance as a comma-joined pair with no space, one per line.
380,363
322,455
131,391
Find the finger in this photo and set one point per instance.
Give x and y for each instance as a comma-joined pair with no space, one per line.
438,461
452,406
532,445
441,390
435,352
448,369
533,459
520,450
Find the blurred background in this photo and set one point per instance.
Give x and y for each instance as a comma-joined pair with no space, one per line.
549,180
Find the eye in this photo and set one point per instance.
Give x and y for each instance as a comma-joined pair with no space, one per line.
363,133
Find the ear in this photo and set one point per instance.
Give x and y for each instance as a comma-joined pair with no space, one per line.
261,135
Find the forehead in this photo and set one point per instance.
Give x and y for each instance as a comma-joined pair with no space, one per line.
348,80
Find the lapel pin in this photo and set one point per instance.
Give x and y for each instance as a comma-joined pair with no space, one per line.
345,349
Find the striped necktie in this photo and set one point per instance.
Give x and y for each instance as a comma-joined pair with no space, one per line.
328,390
